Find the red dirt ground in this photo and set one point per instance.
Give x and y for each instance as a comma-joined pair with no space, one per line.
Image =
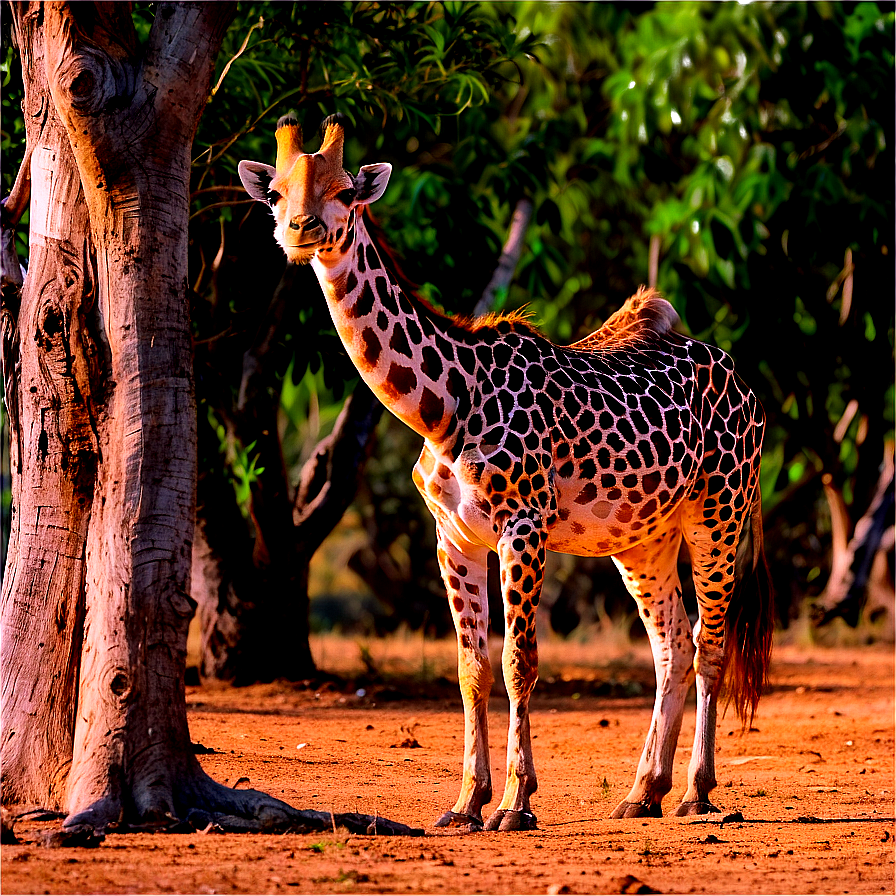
814,782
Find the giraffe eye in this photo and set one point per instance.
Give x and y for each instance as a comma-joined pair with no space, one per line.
346,196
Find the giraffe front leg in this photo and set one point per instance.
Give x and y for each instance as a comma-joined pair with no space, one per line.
522,553
651,577
464,570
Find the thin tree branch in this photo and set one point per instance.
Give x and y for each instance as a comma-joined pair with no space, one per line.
237,55
15,204
11,274
653,264
851,562
510,256
230,204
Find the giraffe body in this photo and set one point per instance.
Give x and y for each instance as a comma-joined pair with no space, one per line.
619,445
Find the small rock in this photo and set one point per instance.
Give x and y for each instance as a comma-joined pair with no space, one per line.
631,884
711,838
410,741
555,889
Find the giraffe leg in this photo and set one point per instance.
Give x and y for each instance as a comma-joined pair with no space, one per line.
713,551
651,577
464,570
702,770
521,550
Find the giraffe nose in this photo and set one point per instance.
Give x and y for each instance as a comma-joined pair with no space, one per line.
305,223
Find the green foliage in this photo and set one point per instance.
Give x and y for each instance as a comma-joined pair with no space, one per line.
12,132
242,463
12,124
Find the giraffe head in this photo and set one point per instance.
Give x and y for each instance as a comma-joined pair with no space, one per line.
311,195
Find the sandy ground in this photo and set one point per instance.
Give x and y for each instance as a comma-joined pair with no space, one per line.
814,782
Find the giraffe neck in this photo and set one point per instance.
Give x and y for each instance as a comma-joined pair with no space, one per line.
409,355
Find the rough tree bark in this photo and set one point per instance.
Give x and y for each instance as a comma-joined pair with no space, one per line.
50,345
98,370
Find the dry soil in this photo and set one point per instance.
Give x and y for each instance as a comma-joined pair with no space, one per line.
813,780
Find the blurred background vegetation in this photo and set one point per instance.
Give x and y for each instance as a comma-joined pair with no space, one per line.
737,156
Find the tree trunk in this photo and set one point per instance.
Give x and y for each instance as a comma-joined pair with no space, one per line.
252,586
252,593
98,368
50,358
858,564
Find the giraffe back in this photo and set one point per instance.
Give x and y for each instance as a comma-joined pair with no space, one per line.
606,437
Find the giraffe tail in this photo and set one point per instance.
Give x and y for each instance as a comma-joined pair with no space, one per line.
749,621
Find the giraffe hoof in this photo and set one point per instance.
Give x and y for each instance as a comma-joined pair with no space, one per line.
458,820
637,810
511,820
696,807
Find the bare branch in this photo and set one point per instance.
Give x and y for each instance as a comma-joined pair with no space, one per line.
653,264
330,477
15,204
852,560
237,55
510,256
11,273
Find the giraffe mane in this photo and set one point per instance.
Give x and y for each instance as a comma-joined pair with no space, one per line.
518,321
645,318
493,321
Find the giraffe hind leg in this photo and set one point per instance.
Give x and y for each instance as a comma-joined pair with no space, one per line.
650,573
711,530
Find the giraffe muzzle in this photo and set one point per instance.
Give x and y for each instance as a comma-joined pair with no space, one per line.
308,228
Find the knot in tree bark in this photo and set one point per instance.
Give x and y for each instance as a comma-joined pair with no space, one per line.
120,684
93,82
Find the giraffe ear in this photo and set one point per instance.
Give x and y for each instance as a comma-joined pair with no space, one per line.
371,182
256,178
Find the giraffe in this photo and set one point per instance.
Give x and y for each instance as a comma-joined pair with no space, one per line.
623,444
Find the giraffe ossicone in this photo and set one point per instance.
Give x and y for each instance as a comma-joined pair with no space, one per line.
620,445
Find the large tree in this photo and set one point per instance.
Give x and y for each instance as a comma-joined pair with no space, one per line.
99,385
